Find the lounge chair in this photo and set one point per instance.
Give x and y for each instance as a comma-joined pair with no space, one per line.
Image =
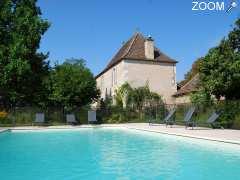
188,118
92,117
71,119
39,118
169,119
212,120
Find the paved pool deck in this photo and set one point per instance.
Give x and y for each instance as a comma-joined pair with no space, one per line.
220,135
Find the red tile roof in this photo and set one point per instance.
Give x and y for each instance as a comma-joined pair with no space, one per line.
134,49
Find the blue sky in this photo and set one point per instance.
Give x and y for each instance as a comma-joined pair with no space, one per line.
95,29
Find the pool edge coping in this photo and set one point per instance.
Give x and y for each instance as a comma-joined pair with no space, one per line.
4,130
187,136
61,127
119,126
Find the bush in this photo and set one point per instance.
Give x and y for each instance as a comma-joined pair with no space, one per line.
230,111
201,98
4,117
3,114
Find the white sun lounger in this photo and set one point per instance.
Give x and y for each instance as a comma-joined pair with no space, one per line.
92,117
39,118
71,119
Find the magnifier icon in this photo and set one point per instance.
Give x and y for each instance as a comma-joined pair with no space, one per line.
232,5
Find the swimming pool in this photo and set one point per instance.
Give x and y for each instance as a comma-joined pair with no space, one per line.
113,153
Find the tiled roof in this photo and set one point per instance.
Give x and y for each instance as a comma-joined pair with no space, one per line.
189,87
134,49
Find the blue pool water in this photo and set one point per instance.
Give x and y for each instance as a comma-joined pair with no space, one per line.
107,153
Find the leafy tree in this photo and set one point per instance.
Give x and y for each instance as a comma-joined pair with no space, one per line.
201,98
154,98
142,96
22,68
220,68
123,95
138,97
72,84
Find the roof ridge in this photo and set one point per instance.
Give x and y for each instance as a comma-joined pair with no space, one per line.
134,39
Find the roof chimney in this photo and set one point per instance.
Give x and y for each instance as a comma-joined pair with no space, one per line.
149,48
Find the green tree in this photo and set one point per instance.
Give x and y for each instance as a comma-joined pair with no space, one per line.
154,98
220,68
201,98
72,84
123,95
22,68
142,96
136,97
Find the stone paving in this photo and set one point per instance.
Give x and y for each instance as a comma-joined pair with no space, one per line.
221,135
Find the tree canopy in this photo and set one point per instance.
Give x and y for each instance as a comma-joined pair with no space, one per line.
72,84
25,76
22,67
138,97
220,68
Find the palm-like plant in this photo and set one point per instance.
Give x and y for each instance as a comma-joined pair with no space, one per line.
122,95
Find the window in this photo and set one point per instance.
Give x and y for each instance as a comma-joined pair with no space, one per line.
102,83
110,92
173,81
174,76
114,76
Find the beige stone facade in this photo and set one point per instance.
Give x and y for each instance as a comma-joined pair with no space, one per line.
161,77
131,65
112,79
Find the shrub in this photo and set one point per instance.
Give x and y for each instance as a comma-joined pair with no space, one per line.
230,110
201,98
3,114
4,117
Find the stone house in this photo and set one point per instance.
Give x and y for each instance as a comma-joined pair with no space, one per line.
139,62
